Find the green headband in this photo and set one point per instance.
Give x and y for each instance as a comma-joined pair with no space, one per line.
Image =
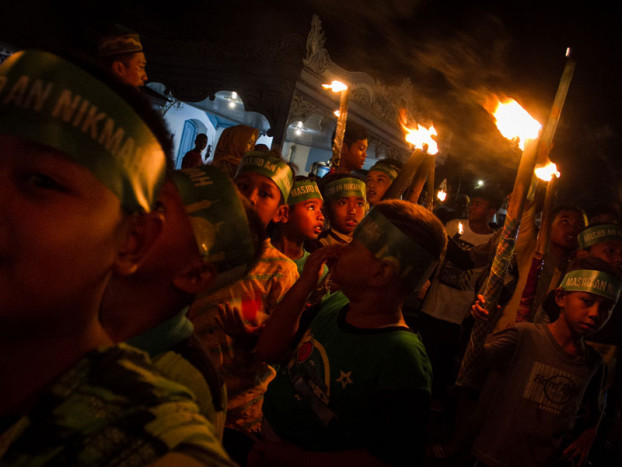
303,190
344,187
386,168
596,282
388,243
218,220
48,100
598,234
272,167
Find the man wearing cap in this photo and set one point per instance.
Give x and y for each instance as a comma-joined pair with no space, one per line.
206,242
124,57
81,161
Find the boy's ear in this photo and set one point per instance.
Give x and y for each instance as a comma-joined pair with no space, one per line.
141,234
281,213
559,297
196,278
382,274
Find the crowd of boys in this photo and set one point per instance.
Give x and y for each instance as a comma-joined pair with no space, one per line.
240,314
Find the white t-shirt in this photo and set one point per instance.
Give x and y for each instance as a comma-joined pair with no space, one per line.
449,303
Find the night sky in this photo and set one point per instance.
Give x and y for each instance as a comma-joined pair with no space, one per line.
454,52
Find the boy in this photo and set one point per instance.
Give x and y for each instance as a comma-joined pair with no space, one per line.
194,158
243,308
380,177
356,388
354,149
122,53
207,241
540,372
451,293
344,198
81,159
303,221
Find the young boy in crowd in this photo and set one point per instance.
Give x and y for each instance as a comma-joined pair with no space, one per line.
344,198
452,291
77,182
303,221
207,241
356,388
379,179
539,374
229,320
354,149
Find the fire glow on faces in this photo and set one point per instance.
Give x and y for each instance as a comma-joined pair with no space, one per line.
306,219
377,183
354,155
346,213
61,231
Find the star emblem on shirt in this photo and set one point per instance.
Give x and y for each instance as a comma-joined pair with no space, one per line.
345,378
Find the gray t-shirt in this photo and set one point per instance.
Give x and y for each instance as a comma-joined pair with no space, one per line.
532,396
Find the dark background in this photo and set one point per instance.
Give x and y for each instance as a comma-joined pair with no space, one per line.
454,53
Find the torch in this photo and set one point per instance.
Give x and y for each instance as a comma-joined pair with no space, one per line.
548,174
342,118
514,123
424,145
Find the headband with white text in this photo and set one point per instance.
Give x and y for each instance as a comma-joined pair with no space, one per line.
272,167
48,100
343,188
303,190
592,281
598,234
387,242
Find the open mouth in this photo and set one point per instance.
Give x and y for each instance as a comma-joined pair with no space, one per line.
351,222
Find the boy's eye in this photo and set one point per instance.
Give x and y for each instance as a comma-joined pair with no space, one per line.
45,182
342,202
360,204
265,194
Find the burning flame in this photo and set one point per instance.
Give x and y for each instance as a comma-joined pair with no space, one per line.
441,195
514,122
336,86
421,138
547,172
460,228
337,113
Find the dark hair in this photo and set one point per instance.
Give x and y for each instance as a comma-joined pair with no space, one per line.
606,208
354,132
592,262
489,193
568,207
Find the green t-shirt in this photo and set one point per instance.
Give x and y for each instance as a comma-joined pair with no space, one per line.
326,396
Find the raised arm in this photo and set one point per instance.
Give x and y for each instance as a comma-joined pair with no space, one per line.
276,338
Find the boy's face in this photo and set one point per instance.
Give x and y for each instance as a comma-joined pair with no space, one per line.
305,220
353,156
352,266
61,231
377,183
263,194
584,312
565,227
346,213
175,248
480,210
610,251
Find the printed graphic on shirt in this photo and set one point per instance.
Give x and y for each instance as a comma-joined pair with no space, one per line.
552,389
